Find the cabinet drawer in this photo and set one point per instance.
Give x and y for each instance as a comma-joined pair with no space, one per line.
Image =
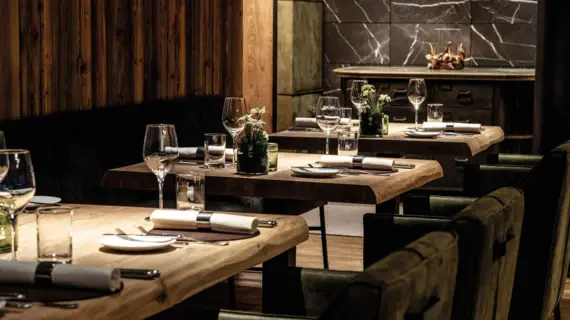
397,90
405,114
463,95
482,116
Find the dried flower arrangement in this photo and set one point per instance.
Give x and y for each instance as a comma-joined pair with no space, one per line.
446,59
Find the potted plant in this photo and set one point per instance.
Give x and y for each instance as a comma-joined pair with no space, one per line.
252,156
374,119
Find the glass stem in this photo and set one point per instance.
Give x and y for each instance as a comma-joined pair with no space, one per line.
416,107
13,223
327,143
234,156
160,186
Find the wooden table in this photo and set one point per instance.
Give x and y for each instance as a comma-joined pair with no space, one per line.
396,142
185,270
367,189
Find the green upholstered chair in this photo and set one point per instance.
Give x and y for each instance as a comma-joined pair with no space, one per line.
489,231
415,282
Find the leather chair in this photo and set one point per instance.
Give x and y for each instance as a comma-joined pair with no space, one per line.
542,266
489,231
415,282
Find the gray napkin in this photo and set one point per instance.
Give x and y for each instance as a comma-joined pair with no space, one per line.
63,275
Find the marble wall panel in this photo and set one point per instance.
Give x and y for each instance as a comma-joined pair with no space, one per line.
357,43
368,11
431,11
504,11
503,45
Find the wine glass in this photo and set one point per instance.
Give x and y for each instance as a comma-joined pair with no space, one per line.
234,109
18,186
356,95
2,142
328,116
417,94
160,152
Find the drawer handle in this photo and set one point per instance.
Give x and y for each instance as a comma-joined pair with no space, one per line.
465,97
400,118
399,93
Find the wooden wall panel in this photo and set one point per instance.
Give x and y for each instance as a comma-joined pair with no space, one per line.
64,55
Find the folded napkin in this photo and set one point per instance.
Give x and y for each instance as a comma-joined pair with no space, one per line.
192,220
357,162
312,122
63,275
198,152
453,126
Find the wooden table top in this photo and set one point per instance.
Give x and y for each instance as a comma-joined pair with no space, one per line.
185,270
396,142
282,185
406,72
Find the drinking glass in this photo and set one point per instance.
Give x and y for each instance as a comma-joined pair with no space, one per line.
234,109
54,234
17,188
356,95
434,112
345,123
417,94
272,155
160,152
215,150
348,143
191,191
328,116
2,141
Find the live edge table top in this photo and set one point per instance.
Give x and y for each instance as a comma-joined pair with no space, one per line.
463,145
364,188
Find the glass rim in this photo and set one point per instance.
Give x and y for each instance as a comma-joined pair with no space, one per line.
272,144
54,209
159,125
191,174
214,134
14,151
329,97
435,104
234,98
360,80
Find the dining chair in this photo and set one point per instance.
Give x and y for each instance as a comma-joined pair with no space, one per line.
415,282
542,266
488,230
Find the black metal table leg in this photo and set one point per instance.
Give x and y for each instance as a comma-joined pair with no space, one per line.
390,206
324,237
285,259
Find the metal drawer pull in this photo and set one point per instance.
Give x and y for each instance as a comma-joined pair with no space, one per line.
400,119
399,93
465,97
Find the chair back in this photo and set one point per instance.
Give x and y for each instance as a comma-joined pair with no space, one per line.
489,232
416,282
543,259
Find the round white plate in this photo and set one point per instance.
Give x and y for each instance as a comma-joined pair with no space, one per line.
45,200
146,243
315,172
422,134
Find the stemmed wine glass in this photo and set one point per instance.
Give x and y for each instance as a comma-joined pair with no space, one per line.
356,95
328,116
18,186
160,152
417,94
2,142
234,109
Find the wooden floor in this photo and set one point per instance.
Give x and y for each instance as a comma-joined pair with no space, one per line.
345,253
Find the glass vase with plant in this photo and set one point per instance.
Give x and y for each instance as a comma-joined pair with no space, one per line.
374,118
252,158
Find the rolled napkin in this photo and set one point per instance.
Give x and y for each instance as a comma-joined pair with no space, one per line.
453,126
357,162
192,220
62,275
312,122
198,152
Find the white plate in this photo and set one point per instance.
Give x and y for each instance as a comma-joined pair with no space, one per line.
315,172
146,243
45,200
422,134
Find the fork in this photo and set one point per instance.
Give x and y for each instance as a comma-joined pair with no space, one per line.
184,238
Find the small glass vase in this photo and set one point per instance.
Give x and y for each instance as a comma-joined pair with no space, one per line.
385,124
252,159
374,125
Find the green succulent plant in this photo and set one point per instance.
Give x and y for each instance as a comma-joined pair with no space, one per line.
374,102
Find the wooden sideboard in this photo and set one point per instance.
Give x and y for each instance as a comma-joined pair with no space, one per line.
491,96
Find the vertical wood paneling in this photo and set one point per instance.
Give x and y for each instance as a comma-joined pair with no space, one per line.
63,55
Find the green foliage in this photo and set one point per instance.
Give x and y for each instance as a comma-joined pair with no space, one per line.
374,103
254,133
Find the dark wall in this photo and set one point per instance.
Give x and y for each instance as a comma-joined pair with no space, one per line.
496,33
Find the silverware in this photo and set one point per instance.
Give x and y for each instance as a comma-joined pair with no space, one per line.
187,162
144,274
184,238
404,165
267,223
67,306
304,129
19,305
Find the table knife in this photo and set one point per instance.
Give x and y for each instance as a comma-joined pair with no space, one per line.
144,274
404,165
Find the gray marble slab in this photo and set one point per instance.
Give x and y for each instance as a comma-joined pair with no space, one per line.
503,45
357,10
431,11
504,11
413,41
357,43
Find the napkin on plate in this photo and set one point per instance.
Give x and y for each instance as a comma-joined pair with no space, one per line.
453,126
186,220
198,152
349,161
312,122
63,275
